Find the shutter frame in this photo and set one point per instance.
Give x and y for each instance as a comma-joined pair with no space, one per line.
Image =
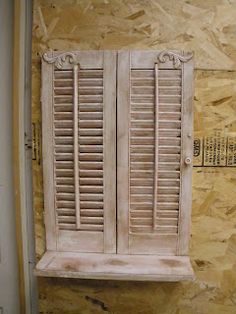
80,239
129,255
153,242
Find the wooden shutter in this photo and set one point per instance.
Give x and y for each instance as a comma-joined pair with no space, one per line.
154,151
79,150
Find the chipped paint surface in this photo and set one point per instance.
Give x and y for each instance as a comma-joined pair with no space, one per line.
209,29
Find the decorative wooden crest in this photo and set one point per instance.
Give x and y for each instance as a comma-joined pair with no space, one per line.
61,58
166,55
163,57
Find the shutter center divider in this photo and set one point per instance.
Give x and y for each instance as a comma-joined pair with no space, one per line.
156,118
76,145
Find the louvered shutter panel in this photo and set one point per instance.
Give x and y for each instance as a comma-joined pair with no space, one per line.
79,150
154,151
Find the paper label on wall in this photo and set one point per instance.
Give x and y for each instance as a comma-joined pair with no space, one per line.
216,149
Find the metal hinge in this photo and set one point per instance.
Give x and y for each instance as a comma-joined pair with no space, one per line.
28,141
36,142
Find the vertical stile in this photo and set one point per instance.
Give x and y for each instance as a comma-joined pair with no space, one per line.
123,122
156,116
48,153
109,151
187,152
76,145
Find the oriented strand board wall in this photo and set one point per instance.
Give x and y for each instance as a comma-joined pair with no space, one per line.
209,28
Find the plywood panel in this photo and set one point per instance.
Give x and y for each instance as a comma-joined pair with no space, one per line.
208,28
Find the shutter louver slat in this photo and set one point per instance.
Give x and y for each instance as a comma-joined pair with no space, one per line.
142,164
64,157
169,160
89,160
163,152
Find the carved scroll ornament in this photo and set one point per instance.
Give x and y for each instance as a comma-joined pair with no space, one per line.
163,57
61,58
166,55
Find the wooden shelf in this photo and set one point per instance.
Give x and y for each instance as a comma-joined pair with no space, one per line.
114,266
